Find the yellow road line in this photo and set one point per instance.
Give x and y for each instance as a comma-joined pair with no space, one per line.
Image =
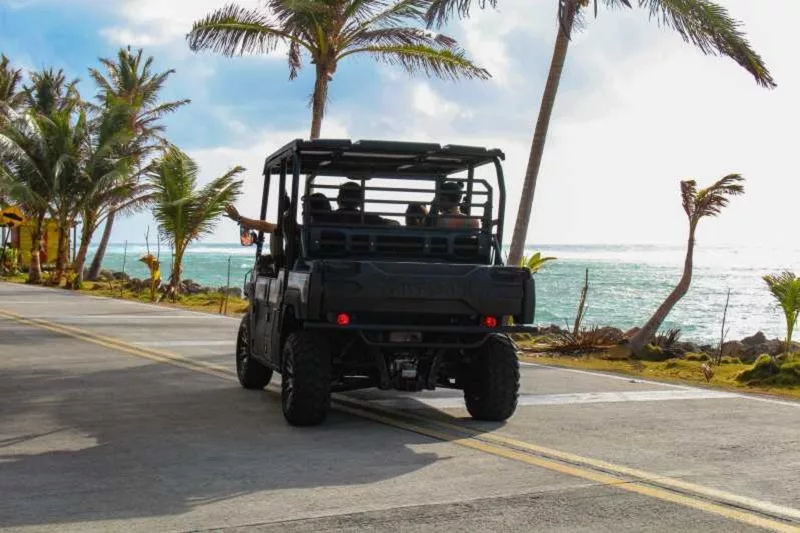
624,478
639,475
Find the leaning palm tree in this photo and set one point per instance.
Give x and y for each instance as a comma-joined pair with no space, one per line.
785,287
697,205
702,23
183,211
331,30
130,80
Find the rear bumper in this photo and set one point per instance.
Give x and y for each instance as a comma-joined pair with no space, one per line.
422,329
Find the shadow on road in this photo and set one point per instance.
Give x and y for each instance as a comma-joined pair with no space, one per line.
156,440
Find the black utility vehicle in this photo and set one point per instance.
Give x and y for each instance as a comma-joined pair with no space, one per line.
400,286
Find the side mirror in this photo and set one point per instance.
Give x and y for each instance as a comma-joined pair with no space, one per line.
247,238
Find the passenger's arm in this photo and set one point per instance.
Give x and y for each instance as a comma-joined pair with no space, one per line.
250,223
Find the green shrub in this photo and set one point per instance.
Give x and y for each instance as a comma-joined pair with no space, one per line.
728,360
764,368
654,353
691,356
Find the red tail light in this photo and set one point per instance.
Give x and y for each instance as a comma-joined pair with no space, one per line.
343,319
489,322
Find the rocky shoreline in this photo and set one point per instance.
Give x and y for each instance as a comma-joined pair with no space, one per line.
188,286
745,350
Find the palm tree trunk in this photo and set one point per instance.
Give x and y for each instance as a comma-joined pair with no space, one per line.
644,335
789,332
99,255
318,101
61,256
540,134
175,275
35,267
87,230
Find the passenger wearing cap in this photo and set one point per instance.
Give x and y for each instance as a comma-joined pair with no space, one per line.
448,201
351,202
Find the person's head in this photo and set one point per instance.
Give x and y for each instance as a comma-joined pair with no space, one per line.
351,196
449,195
415,214
319,204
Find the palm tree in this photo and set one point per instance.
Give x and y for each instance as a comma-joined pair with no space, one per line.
785,288
11,98
702,23
129,79
332,30
30,168
183,211
108,180
50,92
535,262
697,205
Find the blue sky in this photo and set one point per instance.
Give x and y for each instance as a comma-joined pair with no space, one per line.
638,109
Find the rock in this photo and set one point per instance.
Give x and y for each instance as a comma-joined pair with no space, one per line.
682,348
120,276
190,287
553,329
136,285
755,340
631,332
611,334
105,275
732,349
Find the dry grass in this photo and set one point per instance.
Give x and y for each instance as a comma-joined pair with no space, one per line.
673,370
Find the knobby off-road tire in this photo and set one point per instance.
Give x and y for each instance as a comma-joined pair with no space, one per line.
252,374
492,385
306,379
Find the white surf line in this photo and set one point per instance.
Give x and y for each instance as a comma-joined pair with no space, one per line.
563,399
229,342
631,379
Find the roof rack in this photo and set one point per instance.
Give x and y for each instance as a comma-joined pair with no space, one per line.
343,157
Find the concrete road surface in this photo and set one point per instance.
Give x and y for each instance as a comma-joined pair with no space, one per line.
117,416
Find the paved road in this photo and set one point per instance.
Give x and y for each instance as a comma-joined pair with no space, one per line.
122,416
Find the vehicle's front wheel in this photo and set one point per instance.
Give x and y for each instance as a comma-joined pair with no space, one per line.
252,374
306,379
492,382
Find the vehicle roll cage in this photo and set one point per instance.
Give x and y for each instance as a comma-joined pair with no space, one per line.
364,160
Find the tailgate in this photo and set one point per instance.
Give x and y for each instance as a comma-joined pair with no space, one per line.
427,288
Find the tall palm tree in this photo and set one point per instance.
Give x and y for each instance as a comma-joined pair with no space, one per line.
702,23
130,79
329,31
108,181
183,211
697,205
50,92
30,167
785,287
11,97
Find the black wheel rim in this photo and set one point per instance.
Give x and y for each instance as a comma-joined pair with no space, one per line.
287,378
242,350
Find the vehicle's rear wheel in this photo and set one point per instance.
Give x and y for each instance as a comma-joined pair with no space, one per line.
491,387
252,374
306,379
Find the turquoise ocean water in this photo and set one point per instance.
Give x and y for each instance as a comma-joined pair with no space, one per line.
626,283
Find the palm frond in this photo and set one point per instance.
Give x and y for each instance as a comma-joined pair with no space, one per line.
711,201
234,30
440,11
445,64
402,37
709,27
688,194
